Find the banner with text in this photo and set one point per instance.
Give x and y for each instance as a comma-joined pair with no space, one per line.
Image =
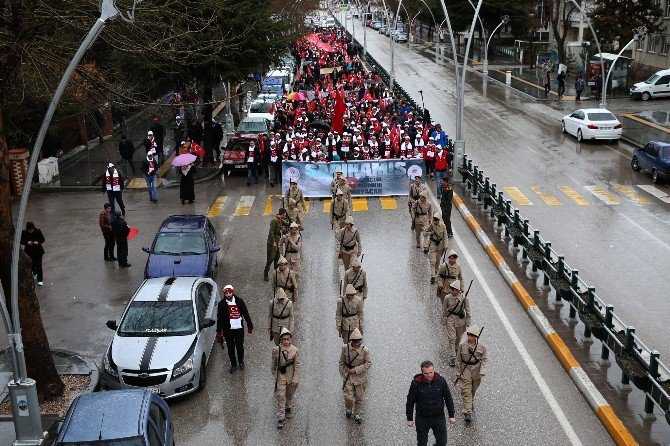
365,178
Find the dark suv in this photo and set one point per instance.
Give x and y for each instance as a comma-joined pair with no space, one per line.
185,245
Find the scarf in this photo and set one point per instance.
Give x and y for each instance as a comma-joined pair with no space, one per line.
112,181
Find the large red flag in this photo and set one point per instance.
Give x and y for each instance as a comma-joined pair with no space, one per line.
338,117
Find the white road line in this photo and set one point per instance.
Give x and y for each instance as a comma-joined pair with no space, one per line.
656,192
537,376
642,228
544,388
576,182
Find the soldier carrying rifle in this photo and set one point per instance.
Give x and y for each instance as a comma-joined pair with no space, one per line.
354,364
471,362
286,370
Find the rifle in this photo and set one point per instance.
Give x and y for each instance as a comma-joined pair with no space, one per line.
461,304
347,364
277,368
460,374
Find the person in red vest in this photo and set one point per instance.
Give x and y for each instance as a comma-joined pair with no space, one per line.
441,167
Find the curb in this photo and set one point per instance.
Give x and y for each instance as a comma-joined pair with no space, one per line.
598,403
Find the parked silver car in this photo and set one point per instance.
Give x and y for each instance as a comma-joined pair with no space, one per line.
165,337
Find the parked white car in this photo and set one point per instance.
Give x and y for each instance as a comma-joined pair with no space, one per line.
657,86
262,109
592,124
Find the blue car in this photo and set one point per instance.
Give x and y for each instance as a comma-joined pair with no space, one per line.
184,246
117,418
654,157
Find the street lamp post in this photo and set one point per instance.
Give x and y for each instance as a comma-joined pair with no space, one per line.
434,23
395,23
481,25
22,390
638,33
455,56
503,21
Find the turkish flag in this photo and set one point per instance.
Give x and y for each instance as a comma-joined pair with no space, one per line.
132,233
338,118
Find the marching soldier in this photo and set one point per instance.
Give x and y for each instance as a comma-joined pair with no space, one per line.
281,315
339,210
286,370
415,190
421,211
357,277
354,364
277,228
291,246
471,368
348,242
293,213
456,312
445,204
349,314
286,279
437,244
335,184
346,190
448,272
296,193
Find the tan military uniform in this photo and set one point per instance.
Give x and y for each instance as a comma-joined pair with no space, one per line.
296,194
287,382
281,315
421,213
359,280
288,281
349,315
446,274
413,196
339,209
348,244
294,215
474,369
354,383
346,190
437,244
334,185
291,247
453,307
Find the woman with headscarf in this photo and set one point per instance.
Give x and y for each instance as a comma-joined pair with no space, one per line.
187,183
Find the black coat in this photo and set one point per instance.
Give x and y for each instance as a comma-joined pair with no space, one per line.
126,149
187,184
120,229
36,236
429,398
222,320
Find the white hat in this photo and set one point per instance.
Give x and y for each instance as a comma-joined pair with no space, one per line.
282,260
452,253
294,225
339,192
150,132
228,287
350,289
423,194
456,284
110,165
473,330
355,335
280,293
436,215
285,331
355,262
294,180
349,220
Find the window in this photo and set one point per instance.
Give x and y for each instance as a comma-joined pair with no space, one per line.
154,439
665,43
651,44
202,301
664,80
158,417
652,150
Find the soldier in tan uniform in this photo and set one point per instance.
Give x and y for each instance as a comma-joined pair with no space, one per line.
356,276
286,279
286,372
281,315
421,212
296,193
456,312
471,356
448,272
335,184
349,313
415,190
294,214
348,242
354,364
291,246
437,243
346,190
339,210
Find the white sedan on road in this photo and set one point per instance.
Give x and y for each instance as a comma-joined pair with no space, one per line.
592,124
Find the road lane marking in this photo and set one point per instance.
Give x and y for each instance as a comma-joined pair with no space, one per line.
656,192
644,230
244,205
549,199
389,203
630,193
603,195
517,196
306,206
326,204
360,204
268,206
217,206
573,195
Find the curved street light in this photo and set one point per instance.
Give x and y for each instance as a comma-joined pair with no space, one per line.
638,33
503,21
436,31
481,25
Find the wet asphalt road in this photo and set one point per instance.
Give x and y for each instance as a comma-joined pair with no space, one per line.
526,386
621,247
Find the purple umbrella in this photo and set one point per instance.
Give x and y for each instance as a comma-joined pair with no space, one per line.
184,160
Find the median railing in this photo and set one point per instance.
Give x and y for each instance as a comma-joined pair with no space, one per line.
638,362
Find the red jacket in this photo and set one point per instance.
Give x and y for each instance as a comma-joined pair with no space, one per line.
442,162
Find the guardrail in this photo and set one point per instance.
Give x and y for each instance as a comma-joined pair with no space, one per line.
638,362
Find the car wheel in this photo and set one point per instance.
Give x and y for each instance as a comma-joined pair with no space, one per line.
635,164
646,96
562,126
580,138
202,379
654,177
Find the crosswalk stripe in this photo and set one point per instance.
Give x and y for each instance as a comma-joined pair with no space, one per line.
217,206
360,204
656,192
306,206
630,193
244,205
268,206
603,195
574,195
549,199
389,203
326,204
517,196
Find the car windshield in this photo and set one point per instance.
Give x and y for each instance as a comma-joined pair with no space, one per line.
134,441
260,107
152,318
180,243
252,126
601,117
652,79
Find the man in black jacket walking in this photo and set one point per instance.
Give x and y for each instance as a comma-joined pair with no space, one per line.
126,150
121,231
230,317
429,392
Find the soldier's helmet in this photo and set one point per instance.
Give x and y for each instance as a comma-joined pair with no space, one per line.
473,330
349,220
339,192
356,335
350,289
452,253
281,293
282,260
356,263
285,331
456,284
